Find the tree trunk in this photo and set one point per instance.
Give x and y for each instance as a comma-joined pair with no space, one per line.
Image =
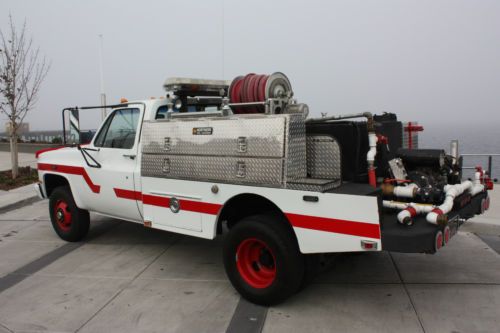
14,156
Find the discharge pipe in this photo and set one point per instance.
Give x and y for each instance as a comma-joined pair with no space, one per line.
372,139
408,191
435,214
438,214
408,210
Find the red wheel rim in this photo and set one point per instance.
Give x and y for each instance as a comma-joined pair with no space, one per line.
62,215
256,263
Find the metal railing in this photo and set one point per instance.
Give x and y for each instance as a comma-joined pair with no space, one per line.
454,151
489,169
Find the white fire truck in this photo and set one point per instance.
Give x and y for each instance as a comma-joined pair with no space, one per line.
243,159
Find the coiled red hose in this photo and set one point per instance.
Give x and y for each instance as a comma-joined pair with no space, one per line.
248,89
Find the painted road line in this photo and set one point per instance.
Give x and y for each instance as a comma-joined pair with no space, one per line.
247,318
19,204
492,241
29,269
22,273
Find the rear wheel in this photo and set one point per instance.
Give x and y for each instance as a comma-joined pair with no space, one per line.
70,222
262,260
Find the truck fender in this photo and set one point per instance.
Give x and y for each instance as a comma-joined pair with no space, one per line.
248,204
52,181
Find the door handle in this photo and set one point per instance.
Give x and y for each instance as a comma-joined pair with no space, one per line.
131,156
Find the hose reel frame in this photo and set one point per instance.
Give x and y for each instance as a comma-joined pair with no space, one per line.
258,93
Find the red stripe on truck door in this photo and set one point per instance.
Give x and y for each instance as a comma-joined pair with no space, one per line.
200,207
154,200
187,205
71,170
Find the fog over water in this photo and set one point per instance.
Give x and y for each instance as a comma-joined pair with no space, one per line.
435,61
477,139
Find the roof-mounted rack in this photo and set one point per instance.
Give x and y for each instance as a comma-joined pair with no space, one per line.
196,87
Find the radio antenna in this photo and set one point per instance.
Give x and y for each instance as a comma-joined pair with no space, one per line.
101,70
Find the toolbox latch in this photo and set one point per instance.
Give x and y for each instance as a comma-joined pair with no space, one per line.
241,169
167,144
242,144
166,165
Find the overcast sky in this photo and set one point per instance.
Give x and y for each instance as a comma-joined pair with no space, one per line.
429,60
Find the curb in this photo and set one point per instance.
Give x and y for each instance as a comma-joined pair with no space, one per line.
19,204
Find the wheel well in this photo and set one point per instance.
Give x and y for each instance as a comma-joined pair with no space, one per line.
243,205
52,181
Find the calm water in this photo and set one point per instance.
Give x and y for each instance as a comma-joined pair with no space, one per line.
475,139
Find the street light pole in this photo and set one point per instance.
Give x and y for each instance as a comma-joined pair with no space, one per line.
101,68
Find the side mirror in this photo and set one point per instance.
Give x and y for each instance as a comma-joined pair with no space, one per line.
71,127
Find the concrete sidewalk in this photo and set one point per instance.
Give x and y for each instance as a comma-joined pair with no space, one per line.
25,159
17,197
127,278
21,195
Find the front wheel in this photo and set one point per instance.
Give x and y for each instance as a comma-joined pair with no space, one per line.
262,260
70,222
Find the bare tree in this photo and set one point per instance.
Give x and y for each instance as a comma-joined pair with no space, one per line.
22,71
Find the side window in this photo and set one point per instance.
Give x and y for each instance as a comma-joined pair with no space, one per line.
99,139
120,130
161,112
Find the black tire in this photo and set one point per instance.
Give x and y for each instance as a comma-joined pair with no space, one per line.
74,223
312,264
279,252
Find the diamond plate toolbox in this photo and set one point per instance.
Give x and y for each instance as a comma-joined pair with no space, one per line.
263,150
323,157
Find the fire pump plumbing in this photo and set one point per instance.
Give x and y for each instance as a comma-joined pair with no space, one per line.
436,214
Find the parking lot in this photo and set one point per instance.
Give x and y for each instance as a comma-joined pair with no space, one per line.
126,278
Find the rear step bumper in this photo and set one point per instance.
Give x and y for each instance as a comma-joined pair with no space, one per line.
422,236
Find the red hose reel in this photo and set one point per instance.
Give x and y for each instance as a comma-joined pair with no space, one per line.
254,88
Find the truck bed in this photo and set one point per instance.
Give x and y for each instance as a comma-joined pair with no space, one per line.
354,189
